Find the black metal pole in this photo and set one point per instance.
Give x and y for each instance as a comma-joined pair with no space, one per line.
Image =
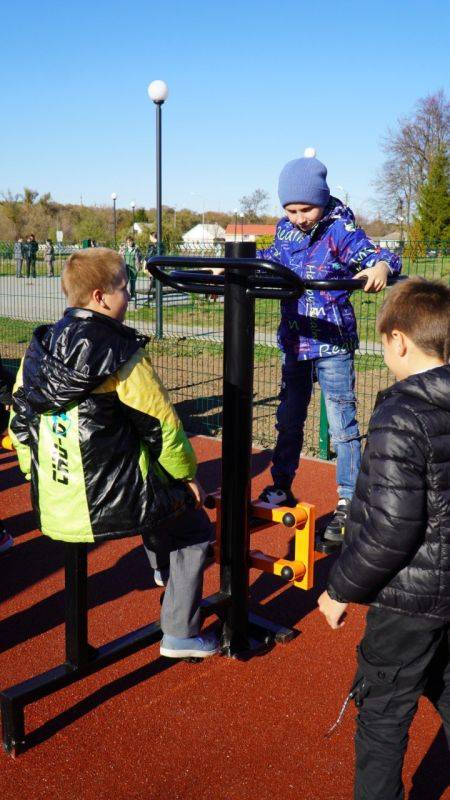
158,285
77,648
114,223
239,334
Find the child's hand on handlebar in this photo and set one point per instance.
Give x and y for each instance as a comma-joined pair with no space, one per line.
376,277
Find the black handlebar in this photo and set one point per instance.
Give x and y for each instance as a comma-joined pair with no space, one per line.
263,278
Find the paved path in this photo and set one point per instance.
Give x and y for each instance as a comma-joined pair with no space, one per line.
42,299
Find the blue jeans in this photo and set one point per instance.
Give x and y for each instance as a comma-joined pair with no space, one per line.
336,377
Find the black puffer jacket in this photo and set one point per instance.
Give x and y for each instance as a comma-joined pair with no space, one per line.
397,541
95,430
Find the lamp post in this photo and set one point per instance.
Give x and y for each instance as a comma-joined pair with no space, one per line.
158,92
401,220
235,212
114,198
242,225
133,207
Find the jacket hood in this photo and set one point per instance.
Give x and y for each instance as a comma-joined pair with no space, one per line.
335,209
66,361
432,387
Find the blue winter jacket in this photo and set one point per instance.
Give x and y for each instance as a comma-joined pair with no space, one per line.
322,323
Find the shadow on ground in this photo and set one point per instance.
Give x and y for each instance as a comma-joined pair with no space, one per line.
432,777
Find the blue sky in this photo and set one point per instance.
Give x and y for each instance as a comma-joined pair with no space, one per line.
251,85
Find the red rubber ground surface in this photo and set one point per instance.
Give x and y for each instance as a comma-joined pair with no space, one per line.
219,730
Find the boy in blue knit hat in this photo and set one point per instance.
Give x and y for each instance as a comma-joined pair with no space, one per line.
318,239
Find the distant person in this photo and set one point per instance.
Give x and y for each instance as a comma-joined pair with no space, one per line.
49,258
6,382
106,450
18,256
396,555
318,238
152,249
31,249
133,258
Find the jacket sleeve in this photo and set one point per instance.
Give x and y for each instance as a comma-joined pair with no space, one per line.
358,252
19,427
388,513
147,405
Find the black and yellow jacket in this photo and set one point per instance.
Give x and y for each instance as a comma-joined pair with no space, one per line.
96,432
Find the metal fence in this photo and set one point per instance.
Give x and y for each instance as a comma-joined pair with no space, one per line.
189,356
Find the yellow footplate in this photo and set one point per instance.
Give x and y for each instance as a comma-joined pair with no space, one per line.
300,570
302,518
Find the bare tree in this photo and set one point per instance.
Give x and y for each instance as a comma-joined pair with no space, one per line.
409,149
253,205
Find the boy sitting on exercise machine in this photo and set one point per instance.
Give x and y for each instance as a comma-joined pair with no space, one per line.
396,554
106,452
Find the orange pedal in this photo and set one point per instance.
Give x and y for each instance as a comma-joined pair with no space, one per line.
289,570
290,517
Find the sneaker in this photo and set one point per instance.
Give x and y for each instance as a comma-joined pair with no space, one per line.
278,497
193,647
335,529
161,576
6,541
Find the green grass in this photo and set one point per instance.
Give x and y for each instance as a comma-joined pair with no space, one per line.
8,266
193,348
16,331
368,362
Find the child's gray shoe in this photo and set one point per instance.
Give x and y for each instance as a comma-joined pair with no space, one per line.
192,647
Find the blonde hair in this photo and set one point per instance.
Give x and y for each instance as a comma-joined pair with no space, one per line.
421,310
87,270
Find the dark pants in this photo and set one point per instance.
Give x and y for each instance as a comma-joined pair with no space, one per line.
31,267
132,277
400,658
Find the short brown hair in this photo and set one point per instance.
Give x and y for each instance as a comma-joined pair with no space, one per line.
90,269
421,310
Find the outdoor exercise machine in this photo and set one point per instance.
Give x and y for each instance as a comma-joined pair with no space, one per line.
244,279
